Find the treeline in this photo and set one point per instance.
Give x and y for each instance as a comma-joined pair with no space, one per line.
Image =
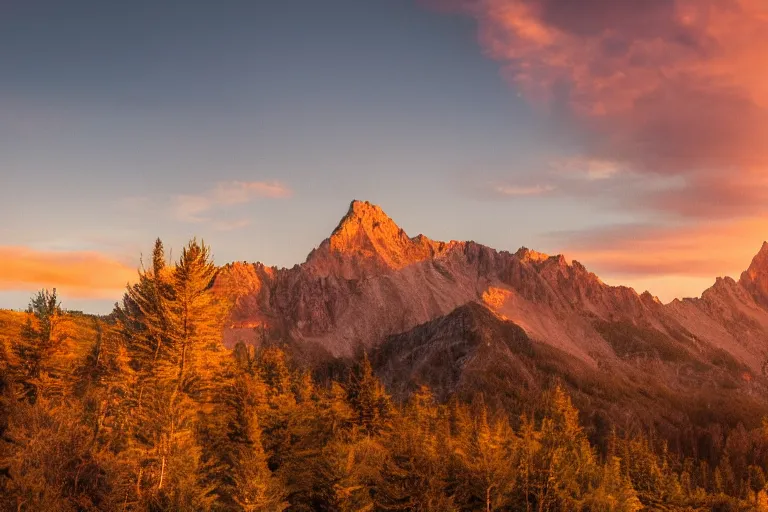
158,416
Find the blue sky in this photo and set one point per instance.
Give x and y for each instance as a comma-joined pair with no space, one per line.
118,114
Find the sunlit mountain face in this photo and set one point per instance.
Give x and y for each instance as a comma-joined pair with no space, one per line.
370,286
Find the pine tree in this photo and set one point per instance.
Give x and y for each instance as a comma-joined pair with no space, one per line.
172,324
273,365
488,454
38,366
102,382
756,480
145,314
564,464
614,493
249,483
416,473
368,398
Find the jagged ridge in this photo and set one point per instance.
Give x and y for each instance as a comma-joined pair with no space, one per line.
369,280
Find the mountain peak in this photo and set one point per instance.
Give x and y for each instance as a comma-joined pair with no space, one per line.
763,252
755,278
363,212
759,264
529,255
369,237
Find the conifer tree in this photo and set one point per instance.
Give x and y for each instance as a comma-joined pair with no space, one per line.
249,483
38,353
530,446
368,398
273,364
102,382
756,481
172,324
489,455
614,493
415,475
564,463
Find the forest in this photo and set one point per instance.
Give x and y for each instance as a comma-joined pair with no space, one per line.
146,410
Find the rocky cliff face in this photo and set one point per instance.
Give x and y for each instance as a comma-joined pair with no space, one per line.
370,280
464,318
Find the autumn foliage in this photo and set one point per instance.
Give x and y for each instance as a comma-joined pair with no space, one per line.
152,413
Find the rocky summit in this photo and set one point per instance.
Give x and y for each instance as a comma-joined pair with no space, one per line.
463,317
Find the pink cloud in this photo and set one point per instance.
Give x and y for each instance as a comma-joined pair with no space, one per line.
669,101
588,168
195,208
666,87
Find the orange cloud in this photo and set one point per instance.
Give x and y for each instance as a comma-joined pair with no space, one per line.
74,274
669,261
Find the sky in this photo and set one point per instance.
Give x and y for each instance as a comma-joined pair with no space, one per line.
630,135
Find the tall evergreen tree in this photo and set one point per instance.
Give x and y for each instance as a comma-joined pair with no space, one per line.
368,398
488,454
243,478
40,351
172,323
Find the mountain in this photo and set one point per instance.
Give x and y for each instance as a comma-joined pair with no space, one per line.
449,313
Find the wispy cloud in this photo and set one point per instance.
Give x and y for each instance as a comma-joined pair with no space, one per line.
198,208
517,190
588,168
75,274
669,102
231,225
188,208
235,192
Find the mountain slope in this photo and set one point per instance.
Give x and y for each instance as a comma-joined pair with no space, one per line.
369,280
654,383
464,318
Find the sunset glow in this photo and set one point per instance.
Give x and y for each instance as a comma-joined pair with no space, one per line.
75,274
629,135
384,255
671,91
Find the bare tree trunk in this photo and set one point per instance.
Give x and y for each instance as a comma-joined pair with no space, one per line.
527,480
77,477
162,465
162,473
138,482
